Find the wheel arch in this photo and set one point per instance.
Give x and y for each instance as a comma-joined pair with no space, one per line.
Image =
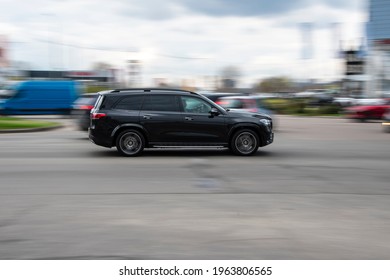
256,128
121,128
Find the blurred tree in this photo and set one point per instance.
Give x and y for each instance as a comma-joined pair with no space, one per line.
229,76
275,84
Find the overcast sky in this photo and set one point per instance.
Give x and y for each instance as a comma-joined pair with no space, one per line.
177,39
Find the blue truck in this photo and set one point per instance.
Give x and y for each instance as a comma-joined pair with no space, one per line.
39,97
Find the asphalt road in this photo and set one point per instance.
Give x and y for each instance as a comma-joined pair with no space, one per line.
320,191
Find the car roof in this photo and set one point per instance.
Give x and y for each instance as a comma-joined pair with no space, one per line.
89,94
147,90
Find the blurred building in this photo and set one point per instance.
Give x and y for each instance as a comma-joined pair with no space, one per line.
378,34
98,76
134,72
355,76
3,51
4,62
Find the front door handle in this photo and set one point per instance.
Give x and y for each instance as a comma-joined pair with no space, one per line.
147,117
188,119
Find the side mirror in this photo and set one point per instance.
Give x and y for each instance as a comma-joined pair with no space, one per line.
214,112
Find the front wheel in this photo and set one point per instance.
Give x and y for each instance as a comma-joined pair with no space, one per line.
130,143
244,142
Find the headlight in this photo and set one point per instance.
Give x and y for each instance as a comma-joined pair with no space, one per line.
266,122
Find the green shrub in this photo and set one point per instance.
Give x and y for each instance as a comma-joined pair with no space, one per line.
299,106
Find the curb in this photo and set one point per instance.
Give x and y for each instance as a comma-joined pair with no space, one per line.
37,129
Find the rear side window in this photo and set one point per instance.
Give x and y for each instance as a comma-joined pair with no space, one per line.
130,103
161,103
109,101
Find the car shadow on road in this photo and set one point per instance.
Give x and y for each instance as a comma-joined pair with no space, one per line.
182,152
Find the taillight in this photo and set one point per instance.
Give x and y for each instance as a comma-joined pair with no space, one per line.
86,107
97,116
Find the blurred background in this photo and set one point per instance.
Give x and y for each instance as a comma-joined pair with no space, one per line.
216,45
320,191
328,53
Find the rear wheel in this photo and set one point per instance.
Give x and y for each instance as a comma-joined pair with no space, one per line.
244,142
130,143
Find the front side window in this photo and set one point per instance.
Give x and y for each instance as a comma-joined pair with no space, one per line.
195,105
7,92
161,102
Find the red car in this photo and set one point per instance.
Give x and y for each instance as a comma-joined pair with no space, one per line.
372,111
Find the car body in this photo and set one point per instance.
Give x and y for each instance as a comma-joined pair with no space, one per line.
373,111
250,103
82,110
39,97
321,100
344,101
134,119
311,93
217,96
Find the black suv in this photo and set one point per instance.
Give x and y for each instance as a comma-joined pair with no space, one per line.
134,119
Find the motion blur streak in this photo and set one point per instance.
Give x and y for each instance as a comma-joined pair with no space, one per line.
319,192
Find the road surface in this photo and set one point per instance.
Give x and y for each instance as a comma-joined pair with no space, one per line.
320,191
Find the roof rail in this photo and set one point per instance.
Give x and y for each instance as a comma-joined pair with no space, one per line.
151,89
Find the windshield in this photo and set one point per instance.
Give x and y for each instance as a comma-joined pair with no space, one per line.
6,91
86,100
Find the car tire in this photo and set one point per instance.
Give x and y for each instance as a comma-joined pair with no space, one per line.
244,142
130,143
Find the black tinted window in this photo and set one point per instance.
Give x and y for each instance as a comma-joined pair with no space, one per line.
130,103
161,103
109,101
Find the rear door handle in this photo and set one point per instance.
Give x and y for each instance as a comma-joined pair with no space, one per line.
147,117
188,119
